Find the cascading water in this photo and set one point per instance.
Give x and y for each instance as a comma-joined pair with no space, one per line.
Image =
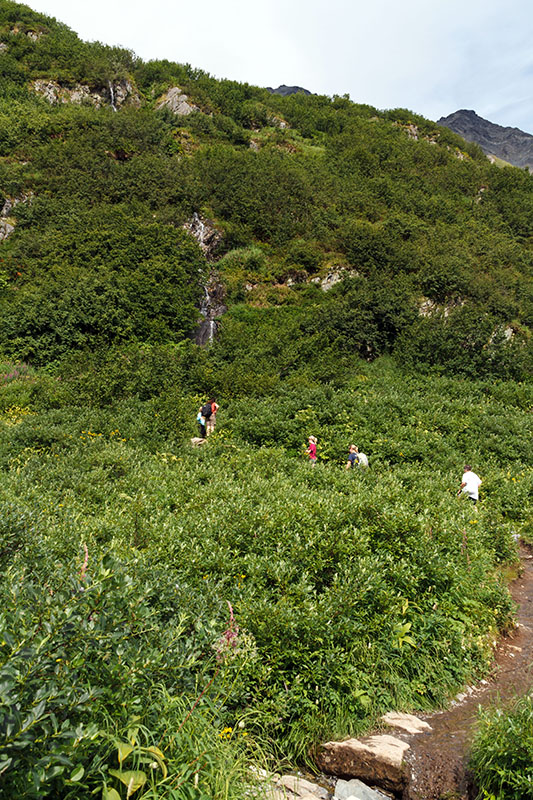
112,95
210,308
212,304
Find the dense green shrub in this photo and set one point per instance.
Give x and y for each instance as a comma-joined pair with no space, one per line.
502,751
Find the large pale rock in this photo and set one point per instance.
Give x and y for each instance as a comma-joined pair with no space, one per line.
378,759
6,229
301,788
177,102
356,790
406,722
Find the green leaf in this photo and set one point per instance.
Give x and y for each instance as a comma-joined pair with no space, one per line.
77,773
132,735
156,751
110,794
124,749
133,779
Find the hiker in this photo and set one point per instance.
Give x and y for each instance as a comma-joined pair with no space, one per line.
200,419
206,411
311,450
355,458
210,420
470,484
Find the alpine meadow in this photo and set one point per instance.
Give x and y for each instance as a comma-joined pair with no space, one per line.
173,619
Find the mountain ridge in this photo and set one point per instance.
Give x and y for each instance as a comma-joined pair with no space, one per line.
507,143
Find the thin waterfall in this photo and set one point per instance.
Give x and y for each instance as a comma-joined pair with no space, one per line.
212,304
112,95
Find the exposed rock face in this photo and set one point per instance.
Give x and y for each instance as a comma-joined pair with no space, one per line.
278,122
212,305
126,94
6,229
284,91
177,102
378,759
205,233
509,144
7,225
117,94
428,307
331,278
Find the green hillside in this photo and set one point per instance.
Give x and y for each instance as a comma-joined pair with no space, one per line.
170,615
339,188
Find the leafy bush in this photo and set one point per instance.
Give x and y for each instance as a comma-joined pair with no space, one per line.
502,751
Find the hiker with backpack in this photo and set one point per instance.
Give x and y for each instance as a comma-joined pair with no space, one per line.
355,458
209,413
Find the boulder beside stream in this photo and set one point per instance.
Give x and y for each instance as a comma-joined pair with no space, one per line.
377,759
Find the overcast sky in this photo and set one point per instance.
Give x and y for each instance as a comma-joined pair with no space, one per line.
431,56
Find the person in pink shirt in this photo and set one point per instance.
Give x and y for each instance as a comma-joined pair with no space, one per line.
311,450
211,420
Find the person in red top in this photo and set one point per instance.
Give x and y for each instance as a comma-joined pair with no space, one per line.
211,421
311,450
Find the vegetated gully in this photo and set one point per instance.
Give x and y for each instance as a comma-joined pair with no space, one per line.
438,759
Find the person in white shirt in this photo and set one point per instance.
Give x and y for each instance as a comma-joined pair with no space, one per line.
470,484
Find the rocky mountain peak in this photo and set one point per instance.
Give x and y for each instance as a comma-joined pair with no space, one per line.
510,144
284,91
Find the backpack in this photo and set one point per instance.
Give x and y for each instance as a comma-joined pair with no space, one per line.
206,411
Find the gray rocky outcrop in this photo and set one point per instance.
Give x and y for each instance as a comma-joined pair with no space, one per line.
328,280
7,223
205,233
177,102
378,759
285,91
116,94
212,305
6,229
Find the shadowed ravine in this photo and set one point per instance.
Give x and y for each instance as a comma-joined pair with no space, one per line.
438,759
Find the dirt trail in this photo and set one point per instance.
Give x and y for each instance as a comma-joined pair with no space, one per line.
437,759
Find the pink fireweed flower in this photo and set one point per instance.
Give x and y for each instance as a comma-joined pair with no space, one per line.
229,640
233,641
85,563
